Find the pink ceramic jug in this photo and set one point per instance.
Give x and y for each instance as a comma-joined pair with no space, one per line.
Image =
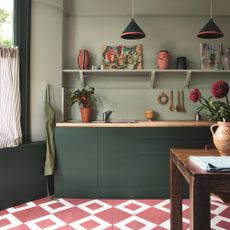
163,59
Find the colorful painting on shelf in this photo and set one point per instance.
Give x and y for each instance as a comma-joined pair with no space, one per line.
210,56
122,57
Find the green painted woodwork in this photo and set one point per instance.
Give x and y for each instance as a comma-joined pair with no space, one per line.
22,35
122,146
76,162
21,174
119,162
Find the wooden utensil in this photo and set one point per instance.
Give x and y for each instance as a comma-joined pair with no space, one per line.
178,107
171,107
182,103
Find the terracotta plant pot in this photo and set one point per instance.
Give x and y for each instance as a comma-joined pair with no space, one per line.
86,114
221,137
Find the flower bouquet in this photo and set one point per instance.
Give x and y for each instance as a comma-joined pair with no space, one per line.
218,110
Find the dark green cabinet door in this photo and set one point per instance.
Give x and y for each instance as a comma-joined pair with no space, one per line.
76,162
118,160
154,155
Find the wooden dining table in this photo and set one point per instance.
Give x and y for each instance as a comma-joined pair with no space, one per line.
201,185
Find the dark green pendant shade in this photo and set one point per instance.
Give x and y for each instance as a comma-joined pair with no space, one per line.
210,31
133,31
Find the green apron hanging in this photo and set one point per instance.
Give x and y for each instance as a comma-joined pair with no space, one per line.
50,122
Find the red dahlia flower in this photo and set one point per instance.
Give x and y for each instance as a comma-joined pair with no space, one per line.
218,110
220,89
195,95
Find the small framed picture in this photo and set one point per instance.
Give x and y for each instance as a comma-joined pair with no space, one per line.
122,57
210,56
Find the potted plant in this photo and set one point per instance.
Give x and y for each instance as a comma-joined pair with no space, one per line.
85,99
218,110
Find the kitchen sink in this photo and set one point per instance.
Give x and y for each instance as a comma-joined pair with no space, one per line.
116,121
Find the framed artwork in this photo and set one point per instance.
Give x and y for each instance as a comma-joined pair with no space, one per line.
210,56
122,57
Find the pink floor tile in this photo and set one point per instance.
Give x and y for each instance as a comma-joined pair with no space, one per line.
71,215
30,214
3,212
154,215
106,214
21,227
119,216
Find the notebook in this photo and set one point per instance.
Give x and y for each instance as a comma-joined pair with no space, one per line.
212,163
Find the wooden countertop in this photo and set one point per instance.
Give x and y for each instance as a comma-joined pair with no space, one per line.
135,124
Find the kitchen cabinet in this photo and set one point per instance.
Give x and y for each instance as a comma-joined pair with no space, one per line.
119,162
76,162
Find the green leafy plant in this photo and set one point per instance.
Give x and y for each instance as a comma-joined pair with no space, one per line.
84,97
217,110
5,17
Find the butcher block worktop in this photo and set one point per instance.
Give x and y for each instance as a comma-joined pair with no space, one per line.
135,124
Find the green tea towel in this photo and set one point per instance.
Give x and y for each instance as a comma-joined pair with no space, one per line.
50,122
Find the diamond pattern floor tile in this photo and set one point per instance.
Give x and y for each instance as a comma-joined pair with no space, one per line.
103,214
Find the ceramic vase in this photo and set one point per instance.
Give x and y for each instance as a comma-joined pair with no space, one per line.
83,59
221,137
163,59
226,59
86,114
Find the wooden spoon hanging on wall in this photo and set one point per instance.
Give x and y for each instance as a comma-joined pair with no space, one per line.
178,107
171,107
182,103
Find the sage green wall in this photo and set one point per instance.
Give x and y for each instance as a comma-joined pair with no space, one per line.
89,24
46,61
176,34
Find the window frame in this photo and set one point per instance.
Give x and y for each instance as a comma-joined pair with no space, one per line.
22,39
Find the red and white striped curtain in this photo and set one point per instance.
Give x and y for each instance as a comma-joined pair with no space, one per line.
10,105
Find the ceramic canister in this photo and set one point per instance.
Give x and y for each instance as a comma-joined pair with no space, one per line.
181,63
83,59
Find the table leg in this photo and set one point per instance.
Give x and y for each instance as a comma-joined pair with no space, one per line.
199,204
175,197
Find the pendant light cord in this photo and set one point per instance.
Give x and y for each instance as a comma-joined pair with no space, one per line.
133,9
211,9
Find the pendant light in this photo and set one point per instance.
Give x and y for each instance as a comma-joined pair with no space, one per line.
210,30
133,31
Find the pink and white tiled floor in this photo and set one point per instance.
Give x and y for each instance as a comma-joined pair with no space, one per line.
103,214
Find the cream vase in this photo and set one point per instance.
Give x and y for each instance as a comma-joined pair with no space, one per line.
221,137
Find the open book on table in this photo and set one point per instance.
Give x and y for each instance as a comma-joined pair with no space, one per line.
212,163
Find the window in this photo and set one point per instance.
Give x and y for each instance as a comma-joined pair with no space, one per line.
15,29
6,22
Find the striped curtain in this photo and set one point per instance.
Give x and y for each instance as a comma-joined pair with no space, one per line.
10,107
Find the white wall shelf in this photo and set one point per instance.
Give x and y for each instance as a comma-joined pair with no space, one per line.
151,74
138,79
